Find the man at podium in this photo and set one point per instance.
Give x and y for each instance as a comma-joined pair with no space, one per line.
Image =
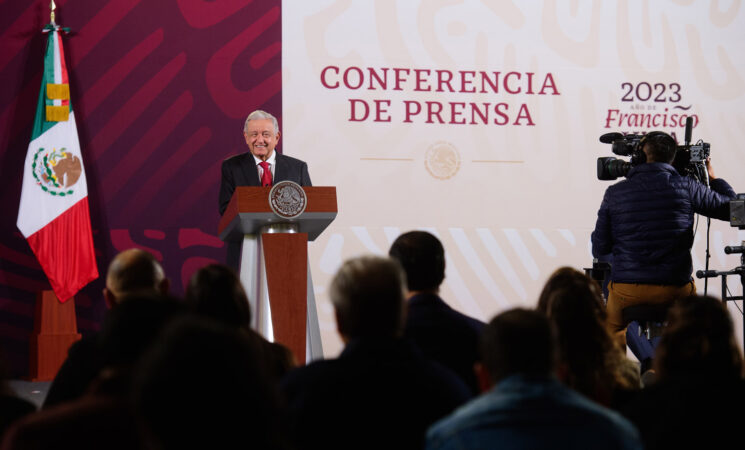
260,166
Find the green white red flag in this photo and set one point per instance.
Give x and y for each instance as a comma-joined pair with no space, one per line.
53,214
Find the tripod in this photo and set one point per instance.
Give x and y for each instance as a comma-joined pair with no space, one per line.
740,270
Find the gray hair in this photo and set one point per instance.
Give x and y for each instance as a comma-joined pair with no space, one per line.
259,114
368,295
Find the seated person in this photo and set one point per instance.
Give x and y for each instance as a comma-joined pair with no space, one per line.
589,359
697,400
215,292
131,272
380,392
526,407
203,386
646,223
441,333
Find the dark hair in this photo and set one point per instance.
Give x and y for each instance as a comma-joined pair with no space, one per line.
585,348
660,147
174,390
422,257
567,276
215,291
367,294
518,341
698,340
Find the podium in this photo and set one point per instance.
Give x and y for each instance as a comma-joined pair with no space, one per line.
274,262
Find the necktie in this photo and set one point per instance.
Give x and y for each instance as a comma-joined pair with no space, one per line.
266,174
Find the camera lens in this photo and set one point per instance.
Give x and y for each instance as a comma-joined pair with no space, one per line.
610,168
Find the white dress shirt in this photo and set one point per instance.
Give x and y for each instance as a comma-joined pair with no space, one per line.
271,161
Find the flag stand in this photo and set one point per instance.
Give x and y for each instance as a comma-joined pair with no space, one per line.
55,330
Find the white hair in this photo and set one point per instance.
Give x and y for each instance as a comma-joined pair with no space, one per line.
259,114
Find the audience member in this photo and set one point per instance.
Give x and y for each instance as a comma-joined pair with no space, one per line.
134,271
380,392
102,417
202,386
129,330
526,407
566,276
215,292
697,401
699,340
589,359
131,272
441,333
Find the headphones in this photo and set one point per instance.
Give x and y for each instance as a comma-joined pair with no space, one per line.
658,139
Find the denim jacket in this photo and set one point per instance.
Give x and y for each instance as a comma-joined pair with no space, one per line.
532,413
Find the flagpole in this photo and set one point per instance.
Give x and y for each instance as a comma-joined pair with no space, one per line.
53,213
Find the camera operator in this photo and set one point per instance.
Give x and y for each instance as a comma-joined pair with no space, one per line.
646,223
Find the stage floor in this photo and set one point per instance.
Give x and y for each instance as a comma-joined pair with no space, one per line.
35,392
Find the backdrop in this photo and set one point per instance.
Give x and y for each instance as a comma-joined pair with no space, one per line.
479,120
160,91
476,120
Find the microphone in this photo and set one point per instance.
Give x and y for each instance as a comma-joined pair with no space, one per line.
689,128
706,273
734,249
608,138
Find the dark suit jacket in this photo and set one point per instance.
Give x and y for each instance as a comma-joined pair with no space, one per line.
80,368
379,393
240,170
445,335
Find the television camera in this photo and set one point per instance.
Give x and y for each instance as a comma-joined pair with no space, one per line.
690,160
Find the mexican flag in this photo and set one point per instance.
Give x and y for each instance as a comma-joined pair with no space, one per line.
53,215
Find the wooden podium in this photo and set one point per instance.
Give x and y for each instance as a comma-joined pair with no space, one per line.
274,263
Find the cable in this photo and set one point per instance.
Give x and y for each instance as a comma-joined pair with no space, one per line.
702,175
708,255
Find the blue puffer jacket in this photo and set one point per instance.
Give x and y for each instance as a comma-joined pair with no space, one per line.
646,222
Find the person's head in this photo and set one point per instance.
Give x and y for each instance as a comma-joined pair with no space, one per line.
698,340
659,146
516,342
134,271
589,360
368,297
174,391
261,132
215,291
423,259
567,276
